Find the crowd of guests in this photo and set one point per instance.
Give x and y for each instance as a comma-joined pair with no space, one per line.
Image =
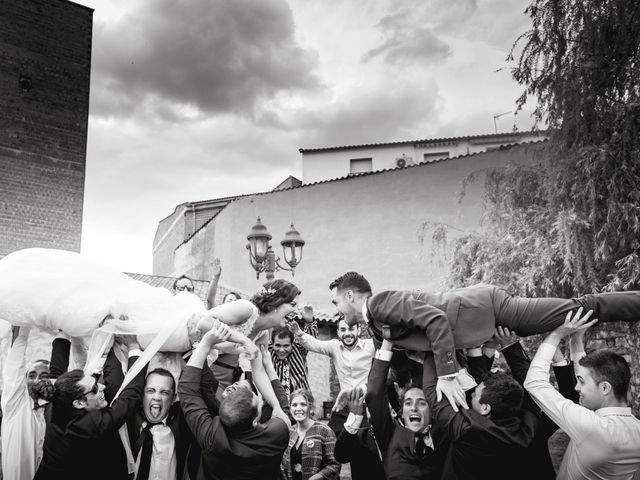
421,394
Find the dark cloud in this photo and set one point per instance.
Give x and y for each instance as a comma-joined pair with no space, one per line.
184,58
390,112
408,35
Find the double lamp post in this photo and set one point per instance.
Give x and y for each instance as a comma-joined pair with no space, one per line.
263,258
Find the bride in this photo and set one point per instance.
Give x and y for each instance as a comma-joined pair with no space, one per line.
268,308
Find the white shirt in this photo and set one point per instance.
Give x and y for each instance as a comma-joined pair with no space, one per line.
352,365
164,462
23,427
605,444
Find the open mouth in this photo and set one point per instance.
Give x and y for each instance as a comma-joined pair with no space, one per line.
155,410
415,418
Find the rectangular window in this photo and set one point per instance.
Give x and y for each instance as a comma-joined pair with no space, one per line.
360,165
431,156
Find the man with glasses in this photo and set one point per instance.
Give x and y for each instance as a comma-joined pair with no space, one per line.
81,439
183,284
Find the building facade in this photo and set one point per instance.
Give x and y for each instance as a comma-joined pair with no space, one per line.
377,223
45,65
332,162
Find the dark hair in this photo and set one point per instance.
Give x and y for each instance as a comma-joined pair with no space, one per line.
308,396
273,294
235,294
238,409
403,391
503,393
608,366
42,389
180,278
165,373
66,390
351,281
281,332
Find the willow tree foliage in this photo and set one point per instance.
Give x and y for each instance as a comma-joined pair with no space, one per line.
570,223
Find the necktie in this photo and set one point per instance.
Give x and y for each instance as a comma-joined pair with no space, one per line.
422,449
145,446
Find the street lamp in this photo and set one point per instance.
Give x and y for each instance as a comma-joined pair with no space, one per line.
262,257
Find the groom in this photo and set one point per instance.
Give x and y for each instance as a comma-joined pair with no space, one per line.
463,318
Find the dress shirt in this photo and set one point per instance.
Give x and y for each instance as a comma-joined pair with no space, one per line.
604,443
23,428
163,458
352,365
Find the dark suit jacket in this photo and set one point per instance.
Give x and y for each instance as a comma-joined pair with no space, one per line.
482,447
75,448
254,453
187,451
398,444
540,466
361,452
437,322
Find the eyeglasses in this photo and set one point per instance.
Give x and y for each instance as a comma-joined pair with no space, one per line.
95,389
188,288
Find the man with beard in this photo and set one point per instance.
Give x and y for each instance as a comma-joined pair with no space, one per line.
351,357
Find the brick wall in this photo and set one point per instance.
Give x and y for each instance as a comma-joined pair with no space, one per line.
45,64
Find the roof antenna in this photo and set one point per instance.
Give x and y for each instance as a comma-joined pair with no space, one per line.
495,117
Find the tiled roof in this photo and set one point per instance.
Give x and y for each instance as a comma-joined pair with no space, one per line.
497,136
363,174
200,286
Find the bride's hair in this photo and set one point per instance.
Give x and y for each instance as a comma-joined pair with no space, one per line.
273,294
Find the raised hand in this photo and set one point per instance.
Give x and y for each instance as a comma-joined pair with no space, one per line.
217,268
294,328
128,341
505,337
451,388
355,400
575,323
219,333
307,313
250,350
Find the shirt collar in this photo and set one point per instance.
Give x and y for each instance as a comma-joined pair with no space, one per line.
613,411
356,346
365,311
163,422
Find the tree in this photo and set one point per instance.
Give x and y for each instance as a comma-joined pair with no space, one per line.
570,223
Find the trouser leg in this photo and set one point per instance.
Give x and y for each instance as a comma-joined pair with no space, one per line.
530,316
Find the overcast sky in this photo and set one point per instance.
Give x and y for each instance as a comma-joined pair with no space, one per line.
199,99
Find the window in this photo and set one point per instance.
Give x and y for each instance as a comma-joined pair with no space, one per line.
432,156
360,165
